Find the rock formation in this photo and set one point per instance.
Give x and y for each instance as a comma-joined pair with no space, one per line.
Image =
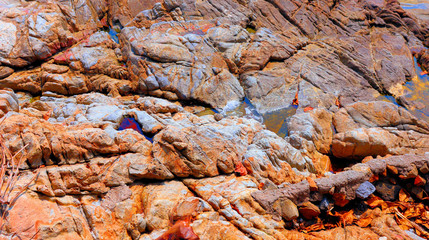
243,110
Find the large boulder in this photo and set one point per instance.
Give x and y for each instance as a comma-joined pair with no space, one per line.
377,128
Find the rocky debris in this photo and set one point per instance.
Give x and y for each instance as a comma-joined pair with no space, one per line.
308,210
343,186
387,191
365,189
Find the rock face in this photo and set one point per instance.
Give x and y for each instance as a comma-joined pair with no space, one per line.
377,128
72,71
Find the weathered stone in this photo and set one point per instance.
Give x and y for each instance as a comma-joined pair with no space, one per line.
8,102
159,201
286,208
46,32
364,190
325,57
360,133
314,126
424,169
5,71
387,191
308,210
210,149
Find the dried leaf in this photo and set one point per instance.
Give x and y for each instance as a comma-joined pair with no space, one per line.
340,199
306,109
374,178
337,102
240,169
346,217
295,100
375,201
365,219
404,196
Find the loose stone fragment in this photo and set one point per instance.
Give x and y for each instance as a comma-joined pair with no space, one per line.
387,191
365,189
411,174
392,169
326,204
308,210
312,183
286,208
424,169
218,116
418,192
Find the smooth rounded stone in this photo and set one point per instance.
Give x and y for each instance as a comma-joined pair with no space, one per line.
308,210
5,71
364,190
218,116
286,208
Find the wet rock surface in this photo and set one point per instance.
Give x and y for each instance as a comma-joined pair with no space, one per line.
211,119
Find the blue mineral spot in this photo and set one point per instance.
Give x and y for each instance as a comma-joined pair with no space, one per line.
113,33
131,123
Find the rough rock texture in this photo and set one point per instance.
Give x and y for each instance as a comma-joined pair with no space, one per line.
378,128
71,71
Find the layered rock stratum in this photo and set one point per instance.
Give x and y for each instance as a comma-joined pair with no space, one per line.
240,110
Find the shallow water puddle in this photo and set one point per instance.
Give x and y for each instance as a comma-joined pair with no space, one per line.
131,123
113,33
276,121
207,111
242,109
419,93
